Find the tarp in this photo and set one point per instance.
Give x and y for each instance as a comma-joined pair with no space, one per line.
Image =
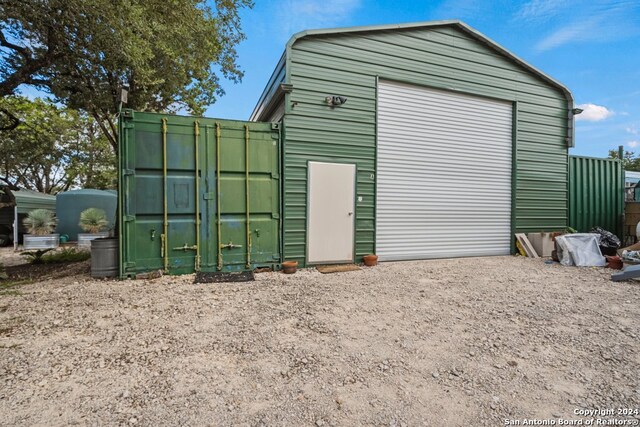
580,249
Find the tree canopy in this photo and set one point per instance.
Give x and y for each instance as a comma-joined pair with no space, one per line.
54,149
630,162
170,53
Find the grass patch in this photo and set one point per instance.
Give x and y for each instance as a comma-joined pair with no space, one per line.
66,255
11,293
8,287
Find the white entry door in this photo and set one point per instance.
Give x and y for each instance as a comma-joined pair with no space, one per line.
330,212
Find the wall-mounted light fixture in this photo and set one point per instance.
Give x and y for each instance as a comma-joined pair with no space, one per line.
334,101
124,95
577,111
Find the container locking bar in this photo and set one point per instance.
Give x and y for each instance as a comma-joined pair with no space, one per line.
218,193
229,245
197,182
246,166
186,247
165,225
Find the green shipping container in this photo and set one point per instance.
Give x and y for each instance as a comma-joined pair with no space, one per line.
197,194
596,194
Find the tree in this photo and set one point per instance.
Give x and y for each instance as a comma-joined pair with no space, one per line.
630,161
171,54
54,149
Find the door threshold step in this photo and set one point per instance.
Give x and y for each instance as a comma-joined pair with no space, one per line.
337,268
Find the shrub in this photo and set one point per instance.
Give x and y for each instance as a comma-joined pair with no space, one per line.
66,255
59,257
35,257
40,222
93,220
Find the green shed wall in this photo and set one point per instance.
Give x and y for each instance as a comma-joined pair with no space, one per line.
350,64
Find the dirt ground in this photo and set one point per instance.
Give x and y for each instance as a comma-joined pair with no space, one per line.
464,342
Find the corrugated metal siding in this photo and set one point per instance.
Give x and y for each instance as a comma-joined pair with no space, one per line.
278,77
425,209
28,200
160,176
596,194
441,57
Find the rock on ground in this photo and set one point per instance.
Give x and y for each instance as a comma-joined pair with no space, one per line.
444,342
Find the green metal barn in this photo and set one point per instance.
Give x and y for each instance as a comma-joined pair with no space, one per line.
409,141
424,102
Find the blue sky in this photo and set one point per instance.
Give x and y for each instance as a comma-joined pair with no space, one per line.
591,46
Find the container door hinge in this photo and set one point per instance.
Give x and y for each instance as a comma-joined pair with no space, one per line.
128,172
129,265
275,215
129,218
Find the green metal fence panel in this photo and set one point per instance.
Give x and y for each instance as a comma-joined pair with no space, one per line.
596,194
198,194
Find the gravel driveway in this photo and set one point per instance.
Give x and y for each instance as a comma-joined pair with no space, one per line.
458,342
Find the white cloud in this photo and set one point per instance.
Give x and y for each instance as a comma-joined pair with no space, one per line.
579,30
593,113
595,21
299,15
541,9
633,144
633,130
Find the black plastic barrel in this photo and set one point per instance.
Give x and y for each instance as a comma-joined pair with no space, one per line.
104,258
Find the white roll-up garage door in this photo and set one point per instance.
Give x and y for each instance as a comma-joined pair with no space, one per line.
444,174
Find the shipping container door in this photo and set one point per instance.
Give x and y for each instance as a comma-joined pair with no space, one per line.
444,164
198,194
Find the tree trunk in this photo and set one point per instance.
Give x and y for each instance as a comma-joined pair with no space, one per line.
110,132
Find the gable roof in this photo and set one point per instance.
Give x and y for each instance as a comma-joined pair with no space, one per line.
430,24
273,91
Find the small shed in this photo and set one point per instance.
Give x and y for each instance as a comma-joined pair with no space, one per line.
15,204
378,122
